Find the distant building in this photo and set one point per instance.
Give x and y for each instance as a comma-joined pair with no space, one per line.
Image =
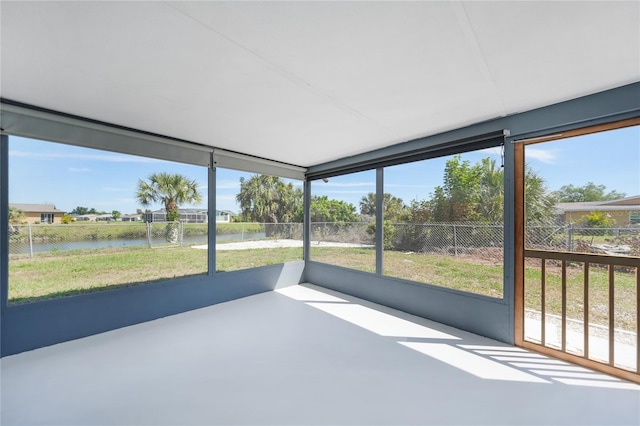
625,211
186,216
104,218
131,217
39,213
84,217
189,216
224,216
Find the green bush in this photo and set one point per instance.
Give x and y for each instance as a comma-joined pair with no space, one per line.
598,221
388,229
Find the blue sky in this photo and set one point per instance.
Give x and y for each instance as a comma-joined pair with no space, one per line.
68,176
610,158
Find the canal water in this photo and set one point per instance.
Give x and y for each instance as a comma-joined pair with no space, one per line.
41,247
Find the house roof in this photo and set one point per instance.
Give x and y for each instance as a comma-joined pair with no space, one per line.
309,82
634,200
611,205
35,208
188,211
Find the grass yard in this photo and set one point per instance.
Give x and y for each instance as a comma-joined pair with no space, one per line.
624,294
69,273
460,273
60,274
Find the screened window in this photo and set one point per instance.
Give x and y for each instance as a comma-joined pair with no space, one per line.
343,221
258,220
83,220
444,222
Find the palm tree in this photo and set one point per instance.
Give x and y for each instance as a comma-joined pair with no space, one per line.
393,207
171,190
491,192
539,202
267,199
15,215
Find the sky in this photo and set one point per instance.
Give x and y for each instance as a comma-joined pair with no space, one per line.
69,176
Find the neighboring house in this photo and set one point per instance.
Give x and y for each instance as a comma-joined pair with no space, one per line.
189,216
131,218
39,213
625,211
186,216
224,216
84,217
104,218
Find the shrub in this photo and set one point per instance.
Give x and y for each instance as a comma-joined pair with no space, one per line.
389,231
597,220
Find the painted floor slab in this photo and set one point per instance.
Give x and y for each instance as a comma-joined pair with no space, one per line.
303,355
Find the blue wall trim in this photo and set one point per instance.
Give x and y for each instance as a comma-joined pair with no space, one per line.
478,314
34,325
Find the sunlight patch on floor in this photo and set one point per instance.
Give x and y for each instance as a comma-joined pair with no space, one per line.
379,322
474,364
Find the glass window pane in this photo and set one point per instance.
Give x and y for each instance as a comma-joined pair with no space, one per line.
443,222
582,202
258,220
83,220
343,221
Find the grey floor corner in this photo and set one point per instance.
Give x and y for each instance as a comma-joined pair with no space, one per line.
303,355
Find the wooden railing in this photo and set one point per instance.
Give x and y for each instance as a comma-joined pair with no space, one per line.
587,260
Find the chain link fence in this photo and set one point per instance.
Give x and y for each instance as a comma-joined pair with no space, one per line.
447,238
485,241
30,239
342,232
568,237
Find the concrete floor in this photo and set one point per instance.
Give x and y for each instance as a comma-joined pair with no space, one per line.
305,356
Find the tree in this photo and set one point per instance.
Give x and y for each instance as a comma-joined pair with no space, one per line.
476,193
79,210
588,192
268,199
539,202
455,200
325,210
169,189
418,212
116,214
597,219
393,207
15,215
490,205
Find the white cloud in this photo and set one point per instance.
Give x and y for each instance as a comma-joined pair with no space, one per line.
113,158
539,154
493,151
542,155
227,184
220,197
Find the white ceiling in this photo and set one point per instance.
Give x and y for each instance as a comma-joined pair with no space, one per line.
309,82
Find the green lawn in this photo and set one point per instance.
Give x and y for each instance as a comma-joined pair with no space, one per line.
67,273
